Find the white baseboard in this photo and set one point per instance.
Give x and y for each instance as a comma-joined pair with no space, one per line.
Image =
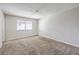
46,36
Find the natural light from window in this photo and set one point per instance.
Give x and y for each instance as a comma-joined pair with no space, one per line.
24,25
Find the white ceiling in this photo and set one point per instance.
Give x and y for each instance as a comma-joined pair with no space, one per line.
35,10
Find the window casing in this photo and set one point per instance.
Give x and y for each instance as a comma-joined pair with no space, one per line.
24,25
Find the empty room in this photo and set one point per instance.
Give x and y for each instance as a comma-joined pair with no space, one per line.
39,28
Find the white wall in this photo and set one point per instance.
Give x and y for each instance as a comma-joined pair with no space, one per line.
63,27
11,28
2,30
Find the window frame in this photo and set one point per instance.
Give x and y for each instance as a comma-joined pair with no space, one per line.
26,22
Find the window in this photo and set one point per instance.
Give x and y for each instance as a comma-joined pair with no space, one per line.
28,25
24,25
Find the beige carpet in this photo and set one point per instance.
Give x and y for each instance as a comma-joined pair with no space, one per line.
37,45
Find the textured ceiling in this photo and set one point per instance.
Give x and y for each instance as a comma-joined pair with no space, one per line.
35,10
